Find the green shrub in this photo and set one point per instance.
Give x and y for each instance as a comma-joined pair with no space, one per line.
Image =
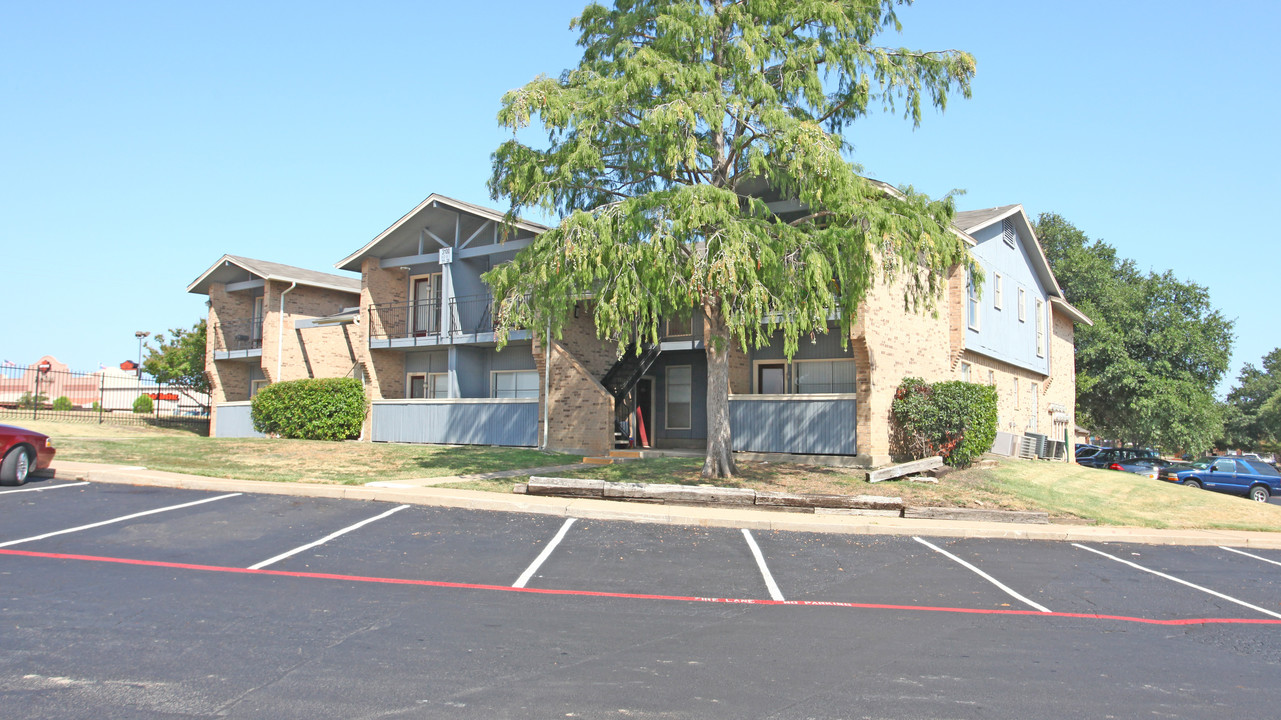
313,409
954,419
63,403
97,406
143,405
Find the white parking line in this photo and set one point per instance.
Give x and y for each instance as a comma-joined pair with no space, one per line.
984,575
42,489
1136,566
325,539
774,592
119,519
1256,557
542,557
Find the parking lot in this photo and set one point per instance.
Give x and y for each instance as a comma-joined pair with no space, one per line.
124,601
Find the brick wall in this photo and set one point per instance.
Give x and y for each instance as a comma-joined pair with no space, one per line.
581,415
228,379
897,343
311,352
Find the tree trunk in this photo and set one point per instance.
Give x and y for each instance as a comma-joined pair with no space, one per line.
720,455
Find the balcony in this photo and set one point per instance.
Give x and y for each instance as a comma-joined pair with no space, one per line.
238,339
469,319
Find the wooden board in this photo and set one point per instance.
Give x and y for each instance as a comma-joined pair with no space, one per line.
908,468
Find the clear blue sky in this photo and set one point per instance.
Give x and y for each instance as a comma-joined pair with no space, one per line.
140,141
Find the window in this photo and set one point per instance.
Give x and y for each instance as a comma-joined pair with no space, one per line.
814,377
991,378
1016,393
771,378
427,385
256,385
677,327
973,305
998,292
515,383
1022,305
1007,232
1040,328
679,394
965,371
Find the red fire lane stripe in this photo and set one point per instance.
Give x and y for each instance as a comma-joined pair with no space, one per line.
631,596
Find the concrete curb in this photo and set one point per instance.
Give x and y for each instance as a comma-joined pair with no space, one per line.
745,517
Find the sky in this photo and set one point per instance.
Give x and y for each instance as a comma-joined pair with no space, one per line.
140,141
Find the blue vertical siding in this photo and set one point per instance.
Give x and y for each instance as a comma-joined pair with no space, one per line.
501,422
235,421
804,426
1001,335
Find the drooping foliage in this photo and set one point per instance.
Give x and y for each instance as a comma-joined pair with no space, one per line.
696,160
1146,371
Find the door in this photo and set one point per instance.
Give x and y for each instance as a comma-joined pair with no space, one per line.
255,324
425,306
1223,475
771,379
645,411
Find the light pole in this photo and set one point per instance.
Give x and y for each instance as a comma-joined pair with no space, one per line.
141,334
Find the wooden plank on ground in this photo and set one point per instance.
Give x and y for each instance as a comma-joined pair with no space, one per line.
565,487
976,514
699,494
908,468
869,502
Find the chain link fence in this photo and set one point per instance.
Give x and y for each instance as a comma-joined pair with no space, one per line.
118,397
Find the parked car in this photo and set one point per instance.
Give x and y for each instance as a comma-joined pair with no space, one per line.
1084,450
1252,478
24,451
1105,457
1149,467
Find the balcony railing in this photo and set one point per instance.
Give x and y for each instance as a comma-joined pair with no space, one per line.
238,335
468,315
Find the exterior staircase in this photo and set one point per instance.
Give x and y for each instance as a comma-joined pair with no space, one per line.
628,370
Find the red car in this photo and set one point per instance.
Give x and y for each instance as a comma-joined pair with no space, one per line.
23,451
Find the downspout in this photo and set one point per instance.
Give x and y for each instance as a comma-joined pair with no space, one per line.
547,384
280,329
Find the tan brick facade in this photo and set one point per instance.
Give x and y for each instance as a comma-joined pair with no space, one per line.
311,352
581,411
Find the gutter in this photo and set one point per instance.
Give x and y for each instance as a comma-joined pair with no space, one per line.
280,329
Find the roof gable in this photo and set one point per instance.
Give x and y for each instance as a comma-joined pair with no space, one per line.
381,246
232,268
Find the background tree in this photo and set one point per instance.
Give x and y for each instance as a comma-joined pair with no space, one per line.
663,141
1147,369
1253,408
179,361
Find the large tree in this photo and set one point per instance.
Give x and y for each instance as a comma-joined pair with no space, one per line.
1253,407
179,360
661,149
1147,369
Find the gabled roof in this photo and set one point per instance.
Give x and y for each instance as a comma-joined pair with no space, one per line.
232,268
352,262
971,221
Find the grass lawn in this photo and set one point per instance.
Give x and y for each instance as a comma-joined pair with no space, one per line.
1064,491
350,463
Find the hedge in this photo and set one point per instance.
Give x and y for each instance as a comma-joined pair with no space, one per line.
311,409
954,419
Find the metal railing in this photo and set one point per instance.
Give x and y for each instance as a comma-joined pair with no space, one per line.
238,335
467,315
109,396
